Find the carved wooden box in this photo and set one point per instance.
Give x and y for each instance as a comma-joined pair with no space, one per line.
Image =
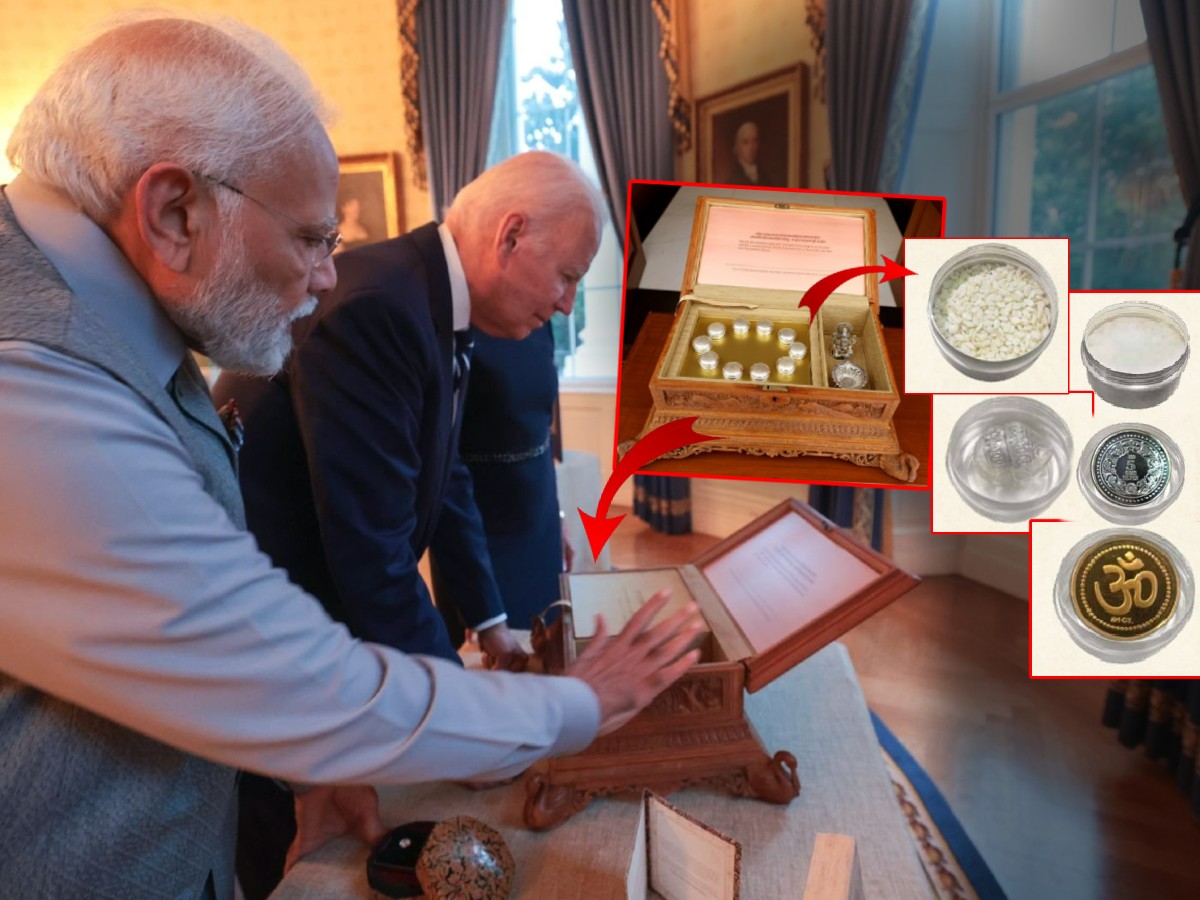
772,594
754,261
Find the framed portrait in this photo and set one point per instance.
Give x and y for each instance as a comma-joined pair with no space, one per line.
755,133
368,199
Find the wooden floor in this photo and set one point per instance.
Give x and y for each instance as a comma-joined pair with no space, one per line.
1055,805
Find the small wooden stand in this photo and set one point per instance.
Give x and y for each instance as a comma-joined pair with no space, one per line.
696,732
833,872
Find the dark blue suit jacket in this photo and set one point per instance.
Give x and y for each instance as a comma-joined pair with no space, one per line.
350,470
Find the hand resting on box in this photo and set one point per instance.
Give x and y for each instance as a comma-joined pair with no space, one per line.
630,669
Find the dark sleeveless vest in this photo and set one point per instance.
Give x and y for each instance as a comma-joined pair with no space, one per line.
89,808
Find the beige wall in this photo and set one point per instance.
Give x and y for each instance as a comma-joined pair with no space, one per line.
351,52
353,55
734,42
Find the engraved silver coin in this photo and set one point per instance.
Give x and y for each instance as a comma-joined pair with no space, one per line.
1131,468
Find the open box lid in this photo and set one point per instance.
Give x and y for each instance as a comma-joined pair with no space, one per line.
776,251
787,584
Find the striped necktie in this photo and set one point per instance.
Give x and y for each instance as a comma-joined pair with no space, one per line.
462,366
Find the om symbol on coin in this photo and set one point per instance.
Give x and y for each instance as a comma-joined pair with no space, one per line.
1124,588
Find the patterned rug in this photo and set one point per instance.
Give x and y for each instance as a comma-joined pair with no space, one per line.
953,864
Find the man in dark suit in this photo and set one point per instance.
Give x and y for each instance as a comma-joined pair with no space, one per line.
349,469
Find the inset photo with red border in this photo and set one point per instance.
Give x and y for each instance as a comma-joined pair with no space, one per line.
717,324
986,315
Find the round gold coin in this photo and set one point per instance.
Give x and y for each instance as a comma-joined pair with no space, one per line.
1124,588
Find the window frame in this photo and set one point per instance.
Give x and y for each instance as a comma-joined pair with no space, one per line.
1001,102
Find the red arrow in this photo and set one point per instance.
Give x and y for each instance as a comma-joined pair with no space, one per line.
819,292
662,439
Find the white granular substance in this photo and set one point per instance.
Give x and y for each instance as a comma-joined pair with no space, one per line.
1135,345
992,311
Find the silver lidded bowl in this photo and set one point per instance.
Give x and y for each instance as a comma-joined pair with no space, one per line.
999,254
849,376
1009,457
1135,353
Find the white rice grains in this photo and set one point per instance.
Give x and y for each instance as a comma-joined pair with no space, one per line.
992,311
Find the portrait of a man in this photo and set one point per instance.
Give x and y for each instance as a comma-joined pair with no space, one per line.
754,134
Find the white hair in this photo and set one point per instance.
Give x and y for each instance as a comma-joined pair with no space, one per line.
213,95
546,187
232,317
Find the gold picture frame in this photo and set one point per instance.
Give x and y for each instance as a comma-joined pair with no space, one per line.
767,118
369,207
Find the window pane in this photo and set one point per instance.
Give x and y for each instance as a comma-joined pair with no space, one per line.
537,108
1045,167
1040,40
1094,165
1138,267
1077,275
1139,188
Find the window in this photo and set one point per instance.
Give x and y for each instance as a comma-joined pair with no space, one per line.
537,108
1081,149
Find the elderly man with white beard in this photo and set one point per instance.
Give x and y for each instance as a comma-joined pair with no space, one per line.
178,191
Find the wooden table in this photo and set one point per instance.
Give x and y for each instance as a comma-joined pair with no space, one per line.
817,711
912,422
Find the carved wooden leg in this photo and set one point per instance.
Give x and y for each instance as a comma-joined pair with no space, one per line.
902,466
775,780
548,806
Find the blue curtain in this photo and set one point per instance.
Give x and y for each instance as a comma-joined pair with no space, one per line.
865,42
859,509
875,58
459,43
624,95
906,92
1173,35
664,502
1164,717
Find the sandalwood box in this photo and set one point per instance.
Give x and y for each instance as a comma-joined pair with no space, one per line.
772,594
752,261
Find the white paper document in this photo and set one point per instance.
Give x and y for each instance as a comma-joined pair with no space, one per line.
618,595
678,858
784,578
769,248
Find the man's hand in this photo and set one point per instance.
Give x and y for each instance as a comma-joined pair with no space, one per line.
631,669
501,650
329,811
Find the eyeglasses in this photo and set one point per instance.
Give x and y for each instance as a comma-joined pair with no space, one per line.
322,245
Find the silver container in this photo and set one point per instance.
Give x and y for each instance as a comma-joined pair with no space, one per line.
986,369
1129,375
1080,594
1009,457
1130,473
849,376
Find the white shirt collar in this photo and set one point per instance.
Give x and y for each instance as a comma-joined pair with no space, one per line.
460,297
97,273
